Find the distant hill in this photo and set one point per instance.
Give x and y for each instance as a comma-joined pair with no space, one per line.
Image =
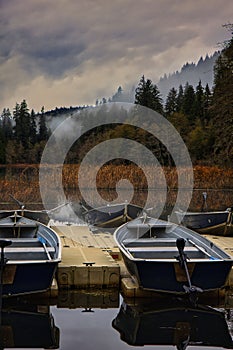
191,73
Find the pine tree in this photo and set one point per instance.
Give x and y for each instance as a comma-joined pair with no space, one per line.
206,104
117,97
188,105
171,102
180,98
33,131
222,105
22,123
199,102
43,131
7,128
148,95
17,126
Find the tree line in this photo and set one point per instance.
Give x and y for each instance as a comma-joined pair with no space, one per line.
202,116
22,135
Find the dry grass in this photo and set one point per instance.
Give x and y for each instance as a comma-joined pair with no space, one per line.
23,182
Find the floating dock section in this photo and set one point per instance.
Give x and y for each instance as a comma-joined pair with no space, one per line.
92,260
86,259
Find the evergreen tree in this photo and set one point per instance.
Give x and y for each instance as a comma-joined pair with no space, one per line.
22,123
7,128
43,131
207,103
180,98
222,105
199,102
188,105
33,131
117,97
17,126
148,95
171,102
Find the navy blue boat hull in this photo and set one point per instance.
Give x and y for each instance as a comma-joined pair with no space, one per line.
28,278
162,276
112,215
37,215
216,223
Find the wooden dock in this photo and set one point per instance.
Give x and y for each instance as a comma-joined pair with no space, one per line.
92,260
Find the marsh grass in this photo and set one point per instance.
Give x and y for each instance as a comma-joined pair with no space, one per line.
22,181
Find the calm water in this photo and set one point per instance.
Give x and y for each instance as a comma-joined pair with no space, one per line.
105,321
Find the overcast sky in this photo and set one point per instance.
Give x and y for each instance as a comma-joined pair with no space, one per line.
70,52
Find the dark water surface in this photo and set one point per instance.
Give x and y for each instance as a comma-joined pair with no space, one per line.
104,320
159,325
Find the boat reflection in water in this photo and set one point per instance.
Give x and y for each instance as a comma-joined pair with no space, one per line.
28,326
172,323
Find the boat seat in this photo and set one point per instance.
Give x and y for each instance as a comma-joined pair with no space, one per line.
161,249
28,249
165,252
29,252
25,242
134,225
149,242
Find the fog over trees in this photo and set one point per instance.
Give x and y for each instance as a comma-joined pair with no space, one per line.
201,112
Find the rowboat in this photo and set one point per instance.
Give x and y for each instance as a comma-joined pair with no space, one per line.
29,326
30,253
112,215
36,215
172,324
42,216
208,222
166,257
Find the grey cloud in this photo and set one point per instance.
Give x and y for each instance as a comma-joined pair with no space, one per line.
101,43
101,31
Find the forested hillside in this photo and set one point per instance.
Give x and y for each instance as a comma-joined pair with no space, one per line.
192,73
202,115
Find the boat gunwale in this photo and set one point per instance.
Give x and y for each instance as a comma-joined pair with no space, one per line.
123,205
51,232
203,242
19,262
187,213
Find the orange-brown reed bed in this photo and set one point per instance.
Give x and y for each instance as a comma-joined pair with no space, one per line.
23,181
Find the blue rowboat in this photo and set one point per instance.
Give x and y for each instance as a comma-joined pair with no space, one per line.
37,215
166,257
112,215
30,253
208,222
